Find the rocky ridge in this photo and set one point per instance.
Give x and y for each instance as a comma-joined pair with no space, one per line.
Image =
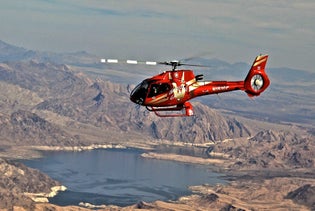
27,128
303,195
17,181
270,150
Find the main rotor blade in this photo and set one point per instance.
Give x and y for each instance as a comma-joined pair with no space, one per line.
174,63
193,65
196,56
116,61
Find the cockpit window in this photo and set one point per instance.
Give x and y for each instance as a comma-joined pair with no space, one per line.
156,89
139,93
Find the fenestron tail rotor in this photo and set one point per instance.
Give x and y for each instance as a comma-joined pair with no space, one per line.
257,82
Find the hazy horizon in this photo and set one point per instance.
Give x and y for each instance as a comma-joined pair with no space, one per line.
163,30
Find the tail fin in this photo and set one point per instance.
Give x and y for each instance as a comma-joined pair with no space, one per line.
257,80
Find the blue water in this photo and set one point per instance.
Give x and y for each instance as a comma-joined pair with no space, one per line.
119,176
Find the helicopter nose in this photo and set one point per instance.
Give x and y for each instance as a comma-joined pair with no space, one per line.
136,98
137,95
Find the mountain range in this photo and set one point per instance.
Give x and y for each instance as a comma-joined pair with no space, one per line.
49,93
51,87
70,99
70,96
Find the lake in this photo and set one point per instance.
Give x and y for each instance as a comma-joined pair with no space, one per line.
119,177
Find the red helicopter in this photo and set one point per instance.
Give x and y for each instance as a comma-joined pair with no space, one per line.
172,89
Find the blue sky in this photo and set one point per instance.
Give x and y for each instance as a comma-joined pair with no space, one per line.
231,30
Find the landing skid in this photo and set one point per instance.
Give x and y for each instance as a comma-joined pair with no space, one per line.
158,110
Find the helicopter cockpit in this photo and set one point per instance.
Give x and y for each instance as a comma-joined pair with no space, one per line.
148,88
158,88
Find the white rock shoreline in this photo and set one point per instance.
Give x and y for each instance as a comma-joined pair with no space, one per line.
78,148
43,197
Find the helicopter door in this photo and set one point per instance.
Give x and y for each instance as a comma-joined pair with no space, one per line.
158,88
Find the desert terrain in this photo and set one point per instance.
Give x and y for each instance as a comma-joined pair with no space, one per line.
67,102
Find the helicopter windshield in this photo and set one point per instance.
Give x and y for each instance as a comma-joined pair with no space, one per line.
148,89
139,93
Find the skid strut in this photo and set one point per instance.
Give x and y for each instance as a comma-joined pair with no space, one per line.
187,106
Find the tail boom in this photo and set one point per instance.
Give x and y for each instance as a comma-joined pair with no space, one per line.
255,82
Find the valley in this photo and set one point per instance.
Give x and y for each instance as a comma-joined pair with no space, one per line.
67,102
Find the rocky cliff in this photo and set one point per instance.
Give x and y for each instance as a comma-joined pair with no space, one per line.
304,195
271,149
17,180
27,128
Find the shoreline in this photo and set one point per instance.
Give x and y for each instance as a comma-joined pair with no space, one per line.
31,152
183,158
34,152
78,148
43,197
235,193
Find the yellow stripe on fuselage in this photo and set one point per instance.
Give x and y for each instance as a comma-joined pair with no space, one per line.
162,97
